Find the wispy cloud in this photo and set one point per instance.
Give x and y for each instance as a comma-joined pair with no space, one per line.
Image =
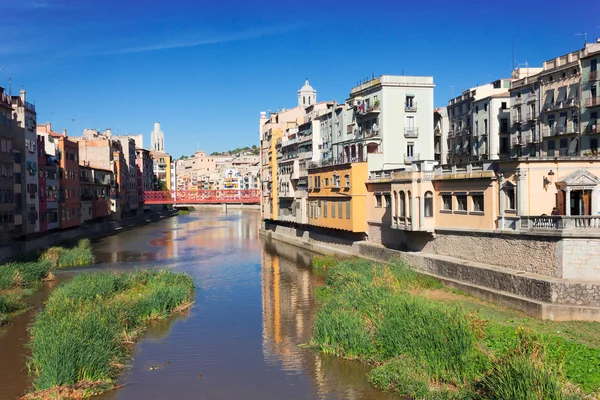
40,4
193,40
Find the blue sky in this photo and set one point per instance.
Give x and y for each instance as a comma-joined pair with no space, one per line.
205,69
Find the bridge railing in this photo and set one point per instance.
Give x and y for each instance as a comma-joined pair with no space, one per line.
202,196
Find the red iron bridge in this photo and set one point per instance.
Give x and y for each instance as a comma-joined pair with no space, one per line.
227,196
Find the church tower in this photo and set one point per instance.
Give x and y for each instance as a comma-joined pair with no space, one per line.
157,139
307,96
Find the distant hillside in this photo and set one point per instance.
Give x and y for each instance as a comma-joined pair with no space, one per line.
240,150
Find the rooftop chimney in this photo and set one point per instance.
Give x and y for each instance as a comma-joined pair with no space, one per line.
64,132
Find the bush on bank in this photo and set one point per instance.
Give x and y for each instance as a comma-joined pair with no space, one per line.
81,337
74,257
429,349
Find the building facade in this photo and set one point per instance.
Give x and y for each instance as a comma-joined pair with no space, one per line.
7,179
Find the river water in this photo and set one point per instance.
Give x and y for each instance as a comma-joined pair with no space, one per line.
241,340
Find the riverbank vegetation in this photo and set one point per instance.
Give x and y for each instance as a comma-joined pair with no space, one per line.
427,341
77,256
84,334
18,279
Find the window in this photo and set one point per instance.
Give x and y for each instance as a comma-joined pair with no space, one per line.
485,107
378,200
461,202
504,146
447,202
402,205
509,195
504,107
317,182
428,204
319,209
333,209
324,208
347,209
388,200
347,180
594,145
326,182
485,126
477,202
503,125
410,150
551,148
340,205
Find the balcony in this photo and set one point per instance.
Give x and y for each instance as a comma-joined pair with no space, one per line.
560,130
592,102
30,107
530,117
289,142
566,104
559,223
410,107
371,132
411,132
516,140
592,129
518,101
305,138
366,109
410,158
593,76
517,119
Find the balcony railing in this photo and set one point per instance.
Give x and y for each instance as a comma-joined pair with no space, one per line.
560,130
369,133
593,76
517,119
566,104
560,223
410,158
29,106
517,141
592,129
411,132
592,102
530,117
410,107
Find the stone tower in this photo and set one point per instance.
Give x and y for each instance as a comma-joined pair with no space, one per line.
157,138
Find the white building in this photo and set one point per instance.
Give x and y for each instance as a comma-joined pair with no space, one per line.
392,124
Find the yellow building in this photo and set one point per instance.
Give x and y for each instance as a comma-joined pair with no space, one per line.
161,165
337,196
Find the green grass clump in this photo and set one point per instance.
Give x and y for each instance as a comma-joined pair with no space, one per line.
430,347
74,257
22,274
183,212
83,331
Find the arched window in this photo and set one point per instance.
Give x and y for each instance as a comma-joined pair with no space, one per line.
303,100
402,204
395,209
428,204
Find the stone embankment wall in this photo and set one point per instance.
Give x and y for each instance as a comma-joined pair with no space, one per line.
19,249
537,294
547,255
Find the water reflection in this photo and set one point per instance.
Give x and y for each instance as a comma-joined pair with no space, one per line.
254,309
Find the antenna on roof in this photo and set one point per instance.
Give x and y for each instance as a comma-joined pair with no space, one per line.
10,85
584,34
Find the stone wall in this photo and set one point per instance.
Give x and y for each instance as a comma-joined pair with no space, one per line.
519,252
539,296
538,255
579,258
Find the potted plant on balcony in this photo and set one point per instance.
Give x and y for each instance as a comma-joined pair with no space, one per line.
376,105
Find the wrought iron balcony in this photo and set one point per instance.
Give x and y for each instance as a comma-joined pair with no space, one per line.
411,132
592,102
